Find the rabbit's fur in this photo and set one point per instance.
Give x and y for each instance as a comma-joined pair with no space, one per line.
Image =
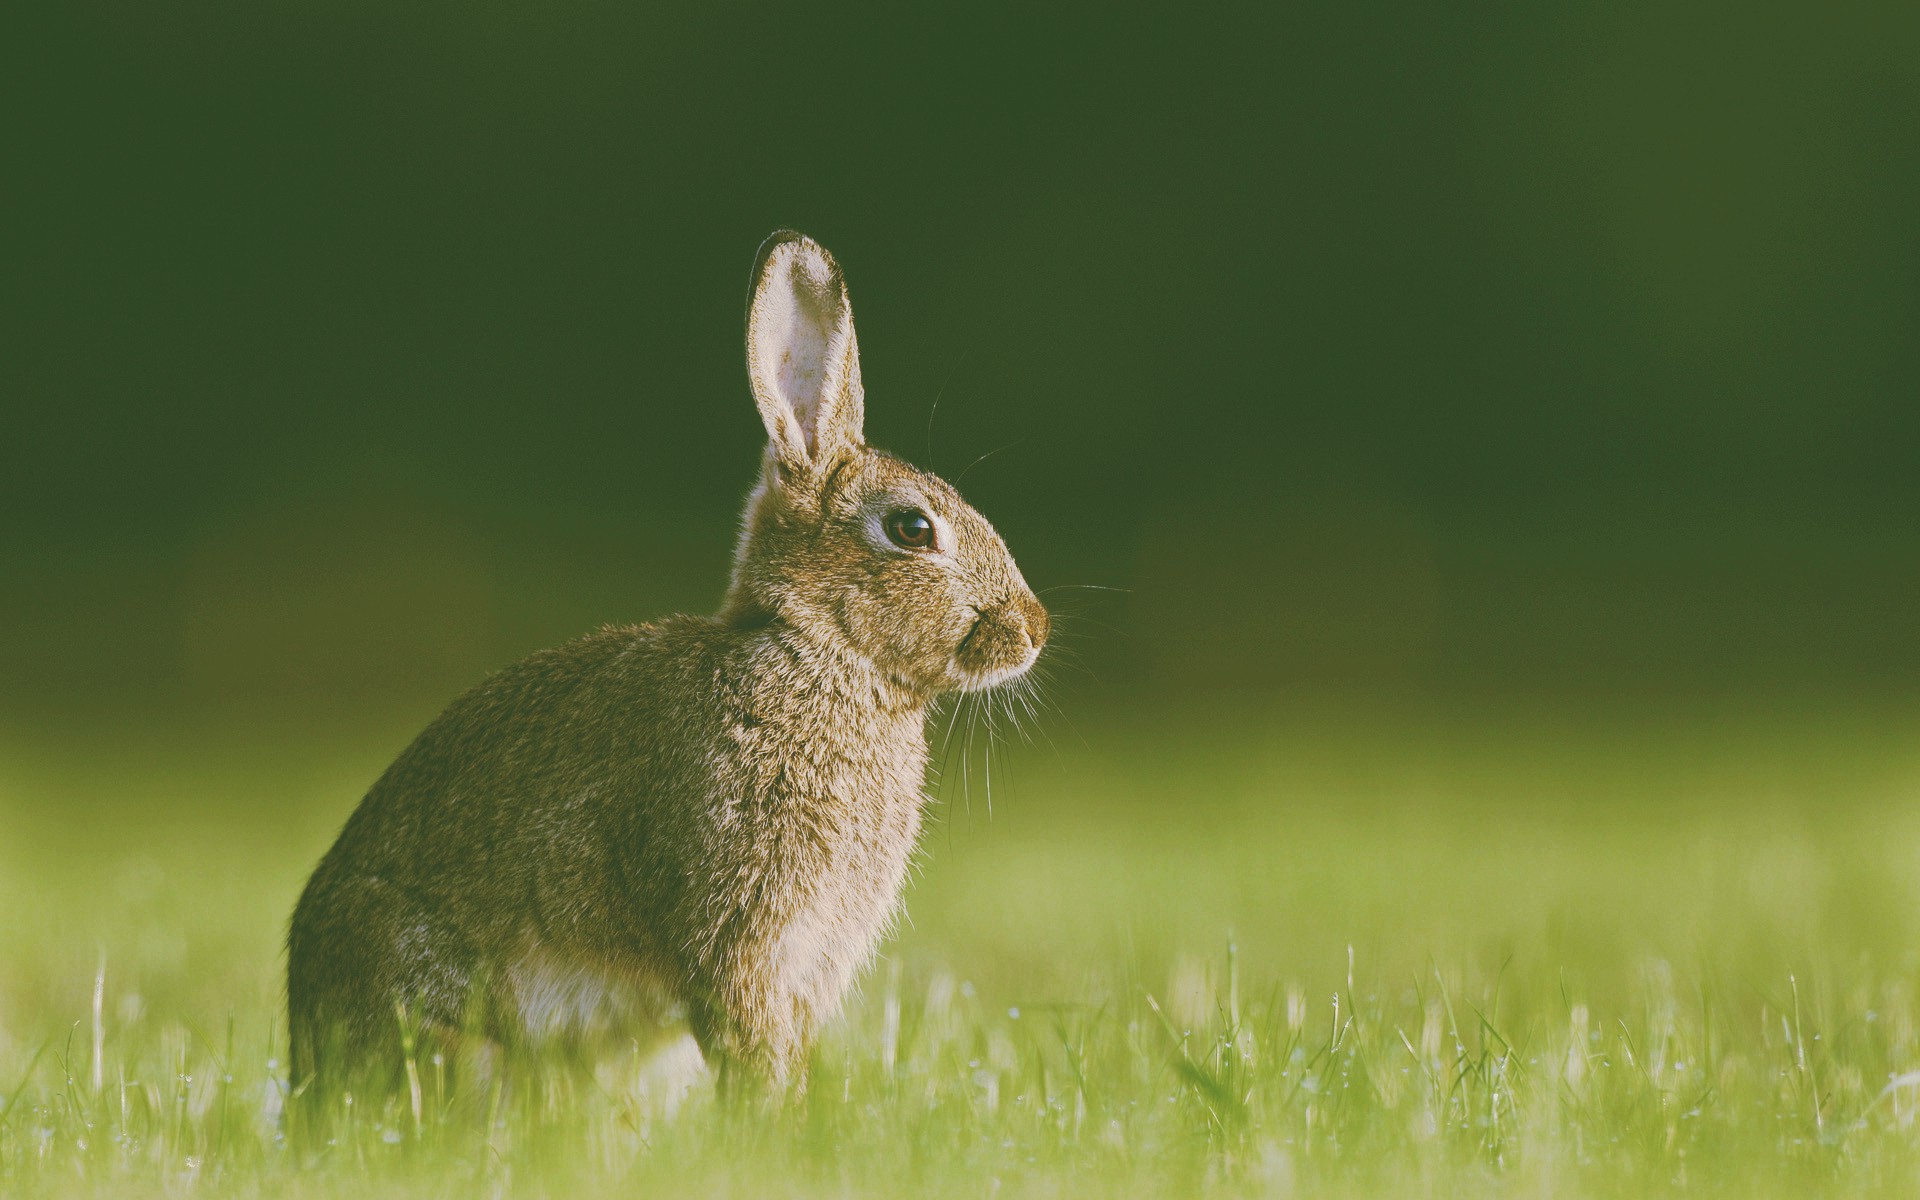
704,815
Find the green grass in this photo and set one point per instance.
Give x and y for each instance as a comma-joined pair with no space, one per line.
1487,954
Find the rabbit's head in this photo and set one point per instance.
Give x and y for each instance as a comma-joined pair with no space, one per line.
847,544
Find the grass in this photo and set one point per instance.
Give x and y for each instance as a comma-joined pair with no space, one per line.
1345,954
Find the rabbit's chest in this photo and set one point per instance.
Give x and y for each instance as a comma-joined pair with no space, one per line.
833,880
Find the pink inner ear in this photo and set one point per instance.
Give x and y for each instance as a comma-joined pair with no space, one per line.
802,375
799,311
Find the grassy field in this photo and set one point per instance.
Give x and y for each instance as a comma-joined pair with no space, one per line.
1492,953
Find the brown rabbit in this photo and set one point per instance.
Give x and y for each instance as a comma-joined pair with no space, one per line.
707,815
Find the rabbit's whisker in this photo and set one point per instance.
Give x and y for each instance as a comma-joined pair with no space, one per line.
941,391
987,754
944,784
1082,618
984,457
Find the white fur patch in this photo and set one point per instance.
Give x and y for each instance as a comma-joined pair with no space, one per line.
803,954
670,1073
556,996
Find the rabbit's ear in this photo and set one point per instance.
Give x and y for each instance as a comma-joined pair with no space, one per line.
802,358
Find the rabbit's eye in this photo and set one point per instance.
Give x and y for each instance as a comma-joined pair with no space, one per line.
909,529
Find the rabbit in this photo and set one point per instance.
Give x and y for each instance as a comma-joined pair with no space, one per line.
707,818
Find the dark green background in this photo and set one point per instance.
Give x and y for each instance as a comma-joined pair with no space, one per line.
352,350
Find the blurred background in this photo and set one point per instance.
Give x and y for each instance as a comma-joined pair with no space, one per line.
1500,425
1381,351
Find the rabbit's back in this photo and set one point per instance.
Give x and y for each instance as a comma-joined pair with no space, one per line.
523,802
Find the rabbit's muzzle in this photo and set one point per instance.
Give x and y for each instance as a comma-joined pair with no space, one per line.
1003,641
